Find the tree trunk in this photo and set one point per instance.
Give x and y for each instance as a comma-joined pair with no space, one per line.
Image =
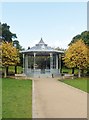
82,72
79,73
5,73
7,70
15,69
72,70
88,71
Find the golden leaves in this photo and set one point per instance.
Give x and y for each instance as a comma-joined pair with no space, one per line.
10,55
77,55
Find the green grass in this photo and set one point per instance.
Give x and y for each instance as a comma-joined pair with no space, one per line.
69,70
12,69
80,83
16,98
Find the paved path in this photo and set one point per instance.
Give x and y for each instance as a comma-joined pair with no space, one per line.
54,99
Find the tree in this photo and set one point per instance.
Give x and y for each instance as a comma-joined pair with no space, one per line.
10,55
77,56
7,35
0,53
17,45
75,39
84,36
59,49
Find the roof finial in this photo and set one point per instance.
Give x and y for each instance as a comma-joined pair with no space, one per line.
41,41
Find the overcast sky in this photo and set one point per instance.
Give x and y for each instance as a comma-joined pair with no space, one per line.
56,22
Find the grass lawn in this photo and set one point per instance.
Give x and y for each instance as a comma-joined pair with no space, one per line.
12,69
16,98
80,83
69,70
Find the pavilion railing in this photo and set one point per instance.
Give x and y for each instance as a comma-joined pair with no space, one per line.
40,71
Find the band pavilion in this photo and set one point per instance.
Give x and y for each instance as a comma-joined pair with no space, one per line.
41,60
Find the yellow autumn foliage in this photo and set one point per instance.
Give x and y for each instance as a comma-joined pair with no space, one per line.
0,54
77,55
10,55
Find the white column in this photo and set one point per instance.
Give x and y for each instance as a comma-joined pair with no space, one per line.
51,61
56,61
26,63
23,64
34,60
60,62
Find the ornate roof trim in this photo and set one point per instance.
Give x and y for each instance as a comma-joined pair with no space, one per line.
41,47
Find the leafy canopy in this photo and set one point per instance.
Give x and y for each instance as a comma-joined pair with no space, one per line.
10,55
5,33
84,36
77,55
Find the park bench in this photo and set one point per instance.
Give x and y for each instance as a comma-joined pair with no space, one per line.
68,76
20,76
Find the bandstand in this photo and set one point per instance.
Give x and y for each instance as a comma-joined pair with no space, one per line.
41,60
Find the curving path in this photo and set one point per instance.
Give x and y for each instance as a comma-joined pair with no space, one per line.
54,99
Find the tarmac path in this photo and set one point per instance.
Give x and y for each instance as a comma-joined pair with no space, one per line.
54,99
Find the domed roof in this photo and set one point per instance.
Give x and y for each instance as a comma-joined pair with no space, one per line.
41,47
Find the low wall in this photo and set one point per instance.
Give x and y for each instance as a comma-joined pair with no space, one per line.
42,73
